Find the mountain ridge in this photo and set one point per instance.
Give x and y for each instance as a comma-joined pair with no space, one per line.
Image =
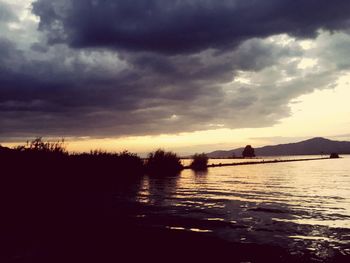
313,146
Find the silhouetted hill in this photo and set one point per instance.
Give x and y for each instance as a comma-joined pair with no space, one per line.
312,146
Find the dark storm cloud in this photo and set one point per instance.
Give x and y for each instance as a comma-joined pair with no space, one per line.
183,26
114,68
151,94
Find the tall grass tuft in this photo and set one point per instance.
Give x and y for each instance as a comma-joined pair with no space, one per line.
163,163
199,162
38,145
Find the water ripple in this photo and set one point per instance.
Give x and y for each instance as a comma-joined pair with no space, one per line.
303,206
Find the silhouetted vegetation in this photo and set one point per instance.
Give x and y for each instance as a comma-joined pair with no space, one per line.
334,155
163,163
248,151
45,162
42,147
199,162
55,204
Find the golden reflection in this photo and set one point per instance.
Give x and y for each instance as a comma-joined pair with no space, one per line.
175,228
200,230
189,229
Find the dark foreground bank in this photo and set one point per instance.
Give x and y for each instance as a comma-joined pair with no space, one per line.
59,212
59,208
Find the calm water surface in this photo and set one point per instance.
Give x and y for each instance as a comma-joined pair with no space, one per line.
301,206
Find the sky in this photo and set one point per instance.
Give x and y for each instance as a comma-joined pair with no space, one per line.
185,75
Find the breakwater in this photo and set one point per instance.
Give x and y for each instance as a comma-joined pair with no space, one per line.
261,162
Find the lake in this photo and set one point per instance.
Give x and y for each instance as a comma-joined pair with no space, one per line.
302,207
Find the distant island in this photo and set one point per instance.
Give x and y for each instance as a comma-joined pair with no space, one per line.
314,146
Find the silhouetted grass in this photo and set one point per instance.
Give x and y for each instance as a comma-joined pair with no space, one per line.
38,146
47,166
52,197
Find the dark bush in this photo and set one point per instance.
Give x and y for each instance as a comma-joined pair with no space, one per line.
163,163
130,163
199,162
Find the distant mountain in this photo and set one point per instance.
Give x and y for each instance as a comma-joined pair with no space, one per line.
309,147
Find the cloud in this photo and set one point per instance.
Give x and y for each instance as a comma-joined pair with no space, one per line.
6,13
116,68
94,93
183,26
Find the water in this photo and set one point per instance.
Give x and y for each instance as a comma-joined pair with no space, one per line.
303,207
